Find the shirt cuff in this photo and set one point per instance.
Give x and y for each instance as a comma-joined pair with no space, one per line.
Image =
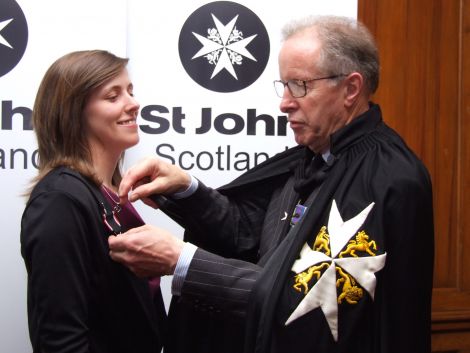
188,192
182,267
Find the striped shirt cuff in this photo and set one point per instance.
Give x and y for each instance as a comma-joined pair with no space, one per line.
188,192
182,267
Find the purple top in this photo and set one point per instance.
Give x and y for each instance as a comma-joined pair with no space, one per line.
129,218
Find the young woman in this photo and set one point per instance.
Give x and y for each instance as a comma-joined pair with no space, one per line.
79,300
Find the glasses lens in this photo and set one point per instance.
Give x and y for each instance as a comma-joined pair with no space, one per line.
297,88
279,87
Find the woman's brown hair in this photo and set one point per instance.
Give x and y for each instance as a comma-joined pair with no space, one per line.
58,110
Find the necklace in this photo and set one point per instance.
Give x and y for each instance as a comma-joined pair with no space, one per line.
117,206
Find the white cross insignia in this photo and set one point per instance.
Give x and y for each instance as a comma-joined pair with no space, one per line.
323,293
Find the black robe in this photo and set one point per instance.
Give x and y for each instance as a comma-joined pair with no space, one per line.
371,164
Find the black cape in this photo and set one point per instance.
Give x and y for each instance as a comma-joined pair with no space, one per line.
371,164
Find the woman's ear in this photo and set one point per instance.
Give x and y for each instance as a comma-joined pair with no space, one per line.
354,86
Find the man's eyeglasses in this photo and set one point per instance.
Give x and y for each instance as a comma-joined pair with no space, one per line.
298,88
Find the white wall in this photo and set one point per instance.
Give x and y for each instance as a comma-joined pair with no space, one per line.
147,32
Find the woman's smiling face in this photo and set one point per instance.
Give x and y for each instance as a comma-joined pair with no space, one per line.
110,116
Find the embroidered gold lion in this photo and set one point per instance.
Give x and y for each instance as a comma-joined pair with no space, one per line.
302,279
322,241
361,243
350,292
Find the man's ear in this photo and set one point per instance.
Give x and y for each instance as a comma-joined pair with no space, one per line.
354,85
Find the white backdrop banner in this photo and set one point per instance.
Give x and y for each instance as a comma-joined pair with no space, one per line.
202,72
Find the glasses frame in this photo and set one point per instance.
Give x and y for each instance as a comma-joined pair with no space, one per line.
304,84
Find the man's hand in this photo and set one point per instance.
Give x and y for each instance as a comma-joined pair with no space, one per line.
152,176
148,251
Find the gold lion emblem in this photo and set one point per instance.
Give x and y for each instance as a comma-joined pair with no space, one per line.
361,243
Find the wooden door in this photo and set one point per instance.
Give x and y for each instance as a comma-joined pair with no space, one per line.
424,93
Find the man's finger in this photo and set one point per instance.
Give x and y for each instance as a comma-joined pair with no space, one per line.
141,171
126,185
116,245
145,190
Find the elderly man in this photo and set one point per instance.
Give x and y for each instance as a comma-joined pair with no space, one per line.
327,247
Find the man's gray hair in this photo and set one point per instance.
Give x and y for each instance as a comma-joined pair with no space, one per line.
347,46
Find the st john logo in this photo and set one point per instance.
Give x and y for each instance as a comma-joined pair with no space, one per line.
224,46
13,35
